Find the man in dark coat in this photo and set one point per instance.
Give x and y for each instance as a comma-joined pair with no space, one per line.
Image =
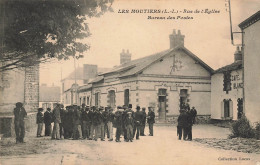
57,121
62,120
77,123
143,122
39,122
105,120
91,119
182,124
85,122
19,115
138,119
150,120
189,125
47,122
194,114
118,123
110,121
97,119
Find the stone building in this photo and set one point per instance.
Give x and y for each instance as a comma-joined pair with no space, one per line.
163,80
18,85
227,90
251,47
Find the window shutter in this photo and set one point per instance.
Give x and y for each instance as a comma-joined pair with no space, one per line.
222,109
231,108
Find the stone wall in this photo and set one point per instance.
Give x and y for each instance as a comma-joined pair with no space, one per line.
7,124
172,119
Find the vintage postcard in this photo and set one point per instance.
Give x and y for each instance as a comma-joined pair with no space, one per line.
123,82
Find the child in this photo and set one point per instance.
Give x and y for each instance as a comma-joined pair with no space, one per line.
39,121
129,122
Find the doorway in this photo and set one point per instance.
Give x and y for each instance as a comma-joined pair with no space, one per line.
183,98
162,105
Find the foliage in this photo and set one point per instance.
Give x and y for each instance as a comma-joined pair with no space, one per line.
34,31
242,128
257,131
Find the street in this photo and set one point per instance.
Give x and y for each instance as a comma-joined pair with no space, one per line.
162,148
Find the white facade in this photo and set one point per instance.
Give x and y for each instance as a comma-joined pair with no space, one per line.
251,40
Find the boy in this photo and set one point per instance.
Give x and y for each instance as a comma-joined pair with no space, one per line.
129,122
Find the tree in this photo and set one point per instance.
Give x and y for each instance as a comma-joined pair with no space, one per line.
34,31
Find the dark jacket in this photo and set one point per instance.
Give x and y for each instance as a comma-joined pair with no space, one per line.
143,118
19,114
97,118
138,117
48,118
183,120
118,119
77,117
110,117
56,115
129,121
105,117
150,117
39,118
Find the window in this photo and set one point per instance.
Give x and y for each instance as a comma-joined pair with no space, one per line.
227,109
97,99
227,81
88,100
111,98
126,97
84,100
239,108
162,92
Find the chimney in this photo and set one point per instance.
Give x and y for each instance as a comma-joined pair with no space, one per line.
125,57
238,55
176,39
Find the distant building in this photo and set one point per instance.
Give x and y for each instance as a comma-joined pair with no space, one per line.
79,77
251,47
49,96
125,57
227,90
164,80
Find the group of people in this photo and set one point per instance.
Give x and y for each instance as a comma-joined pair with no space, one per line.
95,122
185,121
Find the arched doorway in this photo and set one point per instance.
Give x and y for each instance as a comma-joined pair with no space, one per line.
111,98
162,104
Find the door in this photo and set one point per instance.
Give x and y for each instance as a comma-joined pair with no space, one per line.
162,108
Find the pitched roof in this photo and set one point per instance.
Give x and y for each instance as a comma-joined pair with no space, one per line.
138,65
249,21
234,66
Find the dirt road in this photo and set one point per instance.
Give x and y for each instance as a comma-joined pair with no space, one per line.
162,148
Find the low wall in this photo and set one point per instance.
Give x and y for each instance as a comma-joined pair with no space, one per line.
172,119
7,124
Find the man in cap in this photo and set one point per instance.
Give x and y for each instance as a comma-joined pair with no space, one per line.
102,123
91,119
118,123
110,121
85,122
182,124
194,114
47,122
77,123
39,122
143,122
57,121
19,115
138,118
124,116
150,120
105,119
129,122
97,119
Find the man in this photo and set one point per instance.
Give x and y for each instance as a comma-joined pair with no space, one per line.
62,119
39,122
77,123
19,115
110,120
143,122
129,122
57,121
91,119
138,119
97,119
194,114
47,122
189,125
150,120
124,116
85,122
118,123
182,124
103,120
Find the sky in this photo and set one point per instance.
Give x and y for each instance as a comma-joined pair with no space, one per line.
206,35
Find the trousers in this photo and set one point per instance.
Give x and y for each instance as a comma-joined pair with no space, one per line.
77,128
19,131
39,129
56,131
110,129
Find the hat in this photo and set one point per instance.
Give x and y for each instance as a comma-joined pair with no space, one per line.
101,108
125,107
48,109
19,104
143,108
138,107
87,107
119,107
130,106
40,109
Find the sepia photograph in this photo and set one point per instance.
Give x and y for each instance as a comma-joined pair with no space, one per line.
129,82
